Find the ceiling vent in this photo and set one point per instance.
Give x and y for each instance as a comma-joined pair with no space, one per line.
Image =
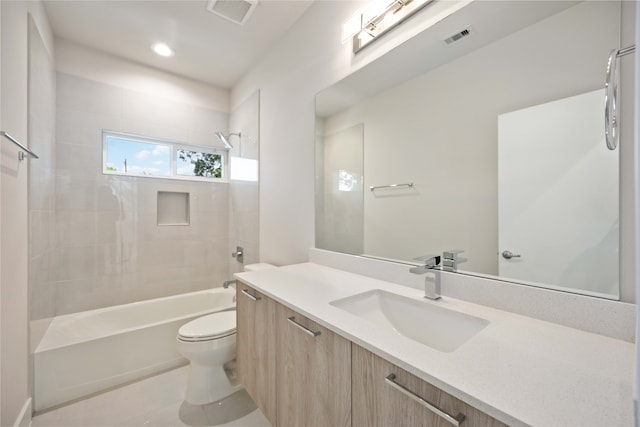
458,36
237,11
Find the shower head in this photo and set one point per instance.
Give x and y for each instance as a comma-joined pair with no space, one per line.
225,139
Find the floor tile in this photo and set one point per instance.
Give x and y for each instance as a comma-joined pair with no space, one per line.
154,401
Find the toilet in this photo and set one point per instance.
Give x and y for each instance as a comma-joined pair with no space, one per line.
209,342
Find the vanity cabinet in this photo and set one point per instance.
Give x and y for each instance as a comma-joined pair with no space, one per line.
385,395
256,347
314,373
296,371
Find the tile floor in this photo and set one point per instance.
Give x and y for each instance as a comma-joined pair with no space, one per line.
155,401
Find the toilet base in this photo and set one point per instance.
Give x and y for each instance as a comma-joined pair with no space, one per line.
207,384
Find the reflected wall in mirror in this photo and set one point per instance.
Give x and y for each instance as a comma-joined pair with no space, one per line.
528,101
339,196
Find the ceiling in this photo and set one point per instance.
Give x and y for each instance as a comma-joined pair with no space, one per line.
207,47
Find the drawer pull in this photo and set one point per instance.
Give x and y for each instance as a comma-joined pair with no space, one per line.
246,292
456,421
306,330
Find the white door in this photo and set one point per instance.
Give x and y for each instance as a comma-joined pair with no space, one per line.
558,196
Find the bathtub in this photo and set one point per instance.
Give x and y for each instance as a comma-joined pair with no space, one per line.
87,352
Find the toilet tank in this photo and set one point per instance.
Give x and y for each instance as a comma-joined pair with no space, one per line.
258,266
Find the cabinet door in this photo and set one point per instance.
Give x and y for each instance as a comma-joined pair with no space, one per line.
314,374
256,342
378,402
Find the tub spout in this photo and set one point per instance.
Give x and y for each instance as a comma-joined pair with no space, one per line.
228,283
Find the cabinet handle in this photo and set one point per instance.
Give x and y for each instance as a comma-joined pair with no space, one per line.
246,292
456,421
306,330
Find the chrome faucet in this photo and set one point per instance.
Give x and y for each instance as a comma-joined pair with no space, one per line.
431,285
450,260
226,285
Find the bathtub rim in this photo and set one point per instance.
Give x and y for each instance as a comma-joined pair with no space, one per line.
43,345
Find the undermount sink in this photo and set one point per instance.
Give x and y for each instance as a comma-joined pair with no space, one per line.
423,321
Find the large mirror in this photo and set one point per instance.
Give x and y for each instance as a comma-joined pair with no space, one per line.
493,145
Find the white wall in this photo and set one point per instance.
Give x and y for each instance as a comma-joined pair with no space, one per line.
309,58
14,388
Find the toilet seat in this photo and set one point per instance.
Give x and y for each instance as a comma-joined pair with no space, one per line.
209,327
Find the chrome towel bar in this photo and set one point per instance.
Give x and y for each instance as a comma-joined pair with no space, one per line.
611,120
22,147
408,185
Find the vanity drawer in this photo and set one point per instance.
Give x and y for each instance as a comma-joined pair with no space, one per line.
385,395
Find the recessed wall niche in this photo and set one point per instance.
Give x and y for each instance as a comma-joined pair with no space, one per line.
173,208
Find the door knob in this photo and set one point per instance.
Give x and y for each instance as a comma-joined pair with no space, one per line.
509,255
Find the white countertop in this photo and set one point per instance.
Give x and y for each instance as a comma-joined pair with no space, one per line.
518,369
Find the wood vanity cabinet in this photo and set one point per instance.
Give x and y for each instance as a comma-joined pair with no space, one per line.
256,347
378,402
301,374
314,374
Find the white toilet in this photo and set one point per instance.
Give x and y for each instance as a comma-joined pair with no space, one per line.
208,343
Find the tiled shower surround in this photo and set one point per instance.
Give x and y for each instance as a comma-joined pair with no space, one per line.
109,248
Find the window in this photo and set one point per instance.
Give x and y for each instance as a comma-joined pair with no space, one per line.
125,154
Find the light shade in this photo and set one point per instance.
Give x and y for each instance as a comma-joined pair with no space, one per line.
379,17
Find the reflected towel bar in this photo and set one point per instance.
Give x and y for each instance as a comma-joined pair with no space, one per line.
22,147
409,185
626,51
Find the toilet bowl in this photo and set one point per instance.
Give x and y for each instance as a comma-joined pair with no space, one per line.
208,343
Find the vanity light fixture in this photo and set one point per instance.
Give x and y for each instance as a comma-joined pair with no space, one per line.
378,18
162,49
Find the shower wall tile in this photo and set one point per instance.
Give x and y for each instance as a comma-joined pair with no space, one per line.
210,226
74,194
41,188
81,94
72,296
41,231
246,119
110,249
244,196
204,120
205,199
165,131
139,107
76,228
78,161
76,263
82,127
42,183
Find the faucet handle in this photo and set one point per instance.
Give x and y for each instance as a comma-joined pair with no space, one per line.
451,260
452,254
429,260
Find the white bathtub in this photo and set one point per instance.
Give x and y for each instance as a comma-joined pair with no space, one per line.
87,352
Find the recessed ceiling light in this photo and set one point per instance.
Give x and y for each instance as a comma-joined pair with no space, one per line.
162,49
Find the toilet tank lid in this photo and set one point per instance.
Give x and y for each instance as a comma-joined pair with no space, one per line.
258,266
212,325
